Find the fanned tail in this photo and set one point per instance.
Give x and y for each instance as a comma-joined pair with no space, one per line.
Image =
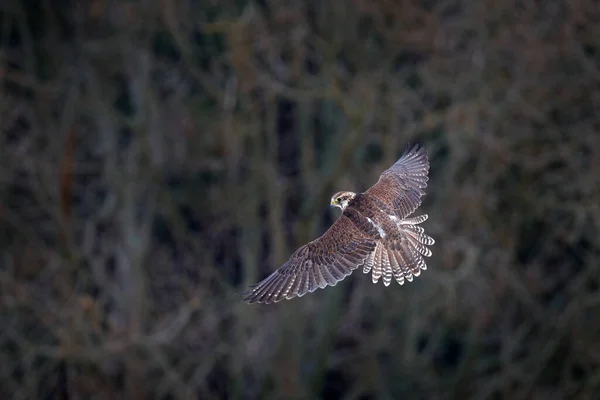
401,259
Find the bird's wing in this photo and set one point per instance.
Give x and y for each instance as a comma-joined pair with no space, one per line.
323,262
401,186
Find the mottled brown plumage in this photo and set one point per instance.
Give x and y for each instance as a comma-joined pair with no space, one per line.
374,232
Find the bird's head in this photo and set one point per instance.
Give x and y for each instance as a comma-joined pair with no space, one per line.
341,199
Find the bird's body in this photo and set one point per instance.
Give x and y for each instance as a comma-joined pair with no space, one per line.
373,231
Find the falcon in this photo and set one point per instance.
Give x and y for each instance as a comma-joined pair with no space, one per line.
374,231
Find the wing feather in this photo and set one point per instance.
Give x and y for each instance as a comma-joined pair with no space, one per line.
324,261
401,186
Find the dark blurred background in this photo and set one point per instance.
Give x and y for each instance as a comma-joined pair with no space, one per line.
156,157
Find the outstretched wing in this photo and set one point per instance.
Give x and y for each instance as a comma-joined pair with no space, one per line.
323,262
401,186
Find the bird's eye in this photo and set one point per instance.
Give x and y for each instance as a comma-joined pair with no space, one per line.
338,199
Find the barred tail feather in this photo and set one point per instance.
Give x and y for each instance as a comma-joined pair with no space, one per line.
401,260
386,266
369,263
414,220
377,263
396,267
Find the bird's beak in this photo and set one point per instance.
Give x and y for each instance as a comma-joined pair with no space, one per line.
331,205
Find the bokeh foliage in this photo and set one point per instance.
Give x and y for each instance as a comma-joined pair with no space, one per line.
156,157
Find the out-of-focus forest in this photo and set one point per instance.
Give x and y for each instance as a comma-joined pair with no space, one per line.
157,157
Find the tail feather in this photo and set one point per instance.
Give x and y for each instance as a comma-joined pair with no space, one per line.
369,263
396,267
414,220
418,245
386,266
401,260
377,263
406,263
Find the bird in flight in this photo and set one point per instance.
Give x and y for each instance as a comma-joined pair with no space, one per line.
374,231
